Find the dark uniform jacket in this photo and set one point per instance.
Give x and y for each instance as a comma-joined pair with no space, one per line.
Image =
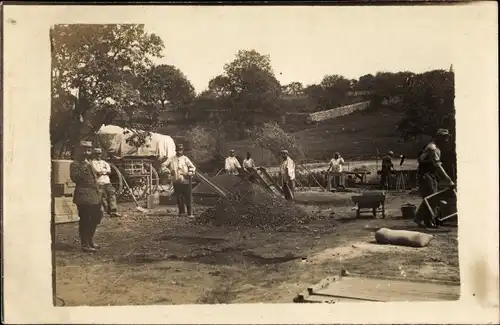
387,165
86,189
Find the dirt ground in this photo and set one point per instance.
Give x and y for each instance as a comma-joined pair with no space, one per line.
163,259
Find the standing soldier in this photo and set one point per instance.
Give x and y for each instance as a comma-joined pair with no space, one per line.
181,169
385,172
102,170
287,175
87,197
232,164
430,168
336,165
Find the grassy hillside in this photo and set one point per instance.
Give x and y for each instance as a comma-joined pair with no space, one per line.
356,136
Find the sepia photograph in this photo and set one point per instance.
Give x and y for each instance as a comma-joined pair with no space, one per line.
223,159
251,186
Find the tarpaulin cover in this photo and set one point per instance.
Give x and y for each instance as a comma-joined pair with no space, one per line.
114,139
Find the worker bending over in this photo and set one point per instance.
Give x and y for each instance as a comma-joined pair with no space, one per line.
102,170
232,165
385,172
430,168
181,169
336,166
287,175
87,197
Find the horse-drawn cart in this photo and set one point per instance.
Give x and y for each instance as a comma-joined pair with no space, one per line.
135,169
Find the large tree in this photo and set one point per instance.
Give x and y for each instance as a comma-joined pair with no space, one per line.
168,87
366,82
330,93
247,89
294,88
336,89
96,67
388,85
429,103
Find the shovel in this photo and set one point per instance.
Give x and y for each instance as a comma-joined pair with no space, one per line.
137,205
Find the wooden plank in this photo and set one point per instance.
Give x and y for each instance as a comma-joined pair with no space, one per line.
322,284
390,290
357,288
65,210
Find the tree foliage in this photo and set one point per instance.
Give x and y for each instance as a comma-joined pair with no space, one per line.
246,90
336,88
202,143
272,137
429,104
293,89
96,67
168,87
331,92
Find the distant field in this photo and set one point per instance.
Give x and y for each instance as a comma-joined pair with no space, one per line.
356,136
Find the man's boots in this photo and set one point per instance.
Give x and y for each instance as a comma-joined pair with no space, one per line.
92,230
85,238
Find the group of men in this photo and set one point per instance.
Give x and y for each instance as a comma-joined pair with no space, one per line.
94,190
287,170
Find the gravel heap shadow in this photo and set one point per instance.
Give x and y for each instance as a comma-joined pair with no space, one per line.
250,205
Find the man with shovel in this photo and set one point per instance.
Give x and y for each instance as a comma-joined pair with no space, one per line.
181,170
87,196
430,168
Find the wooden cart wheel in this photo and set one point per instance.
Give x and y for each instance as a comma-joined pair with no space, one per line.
146,184
116,179
155,180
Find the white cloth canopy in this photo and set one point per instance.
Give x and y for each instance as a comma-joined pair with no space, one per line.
157,144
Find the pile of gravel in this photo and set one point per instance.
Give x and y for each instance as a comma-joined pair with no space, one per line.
252,206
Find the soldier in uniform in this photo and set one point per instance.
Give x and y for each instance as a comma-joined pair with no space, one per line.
385,172
430,169
87,197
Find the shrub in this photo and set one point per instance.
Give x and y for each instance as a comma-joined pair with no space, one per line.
202,144
272,137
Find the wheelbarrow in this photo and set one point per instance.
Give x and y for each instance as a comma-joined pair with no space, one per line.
374,202
442,205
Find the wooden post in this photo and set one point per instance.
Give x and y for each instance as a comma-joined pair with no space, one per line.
190,192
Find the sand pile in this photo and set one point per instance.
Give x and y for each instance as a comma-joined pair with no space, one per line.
250,205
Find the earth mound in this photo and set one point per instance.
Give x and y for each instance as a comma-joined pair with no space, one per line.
252,206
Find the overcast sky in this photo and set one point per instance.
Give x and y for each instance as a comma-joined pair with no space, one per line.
305,43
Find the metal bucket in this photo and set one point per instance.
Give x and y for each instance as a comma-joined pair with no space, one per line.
409,211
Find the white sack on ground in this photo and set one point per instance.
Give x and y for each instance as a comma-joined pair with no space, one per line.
402,237
159,145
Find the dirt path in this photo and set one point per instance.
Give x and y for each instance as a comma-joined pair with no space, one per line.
162,259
